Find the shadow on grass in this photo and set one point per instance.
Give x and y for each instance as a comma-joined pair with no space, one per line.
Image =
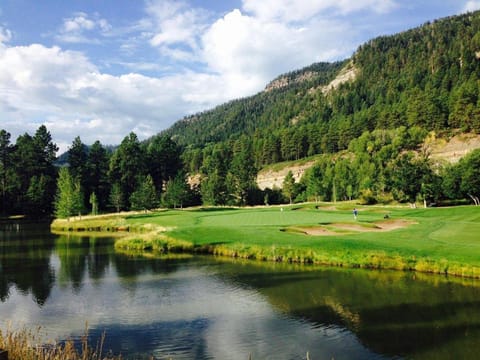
215,243
150,215
214,209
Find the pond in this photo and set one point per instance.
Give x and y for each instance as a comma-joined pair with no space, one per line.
187,307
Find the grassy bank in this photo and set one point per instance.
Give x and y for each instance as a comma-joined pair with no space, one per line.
437,240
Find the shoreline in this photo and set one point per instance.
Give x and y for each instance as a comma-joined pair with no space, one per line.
142,233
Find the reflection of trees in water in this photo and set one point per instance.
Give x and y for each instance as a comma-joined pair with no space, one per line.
90,256
81,254
98,260
25,251
130,266
392,313
25,261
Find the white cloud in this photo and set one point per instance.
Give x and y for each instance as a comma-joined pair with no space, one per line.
246,51
67,93
176,24
471,6
80,28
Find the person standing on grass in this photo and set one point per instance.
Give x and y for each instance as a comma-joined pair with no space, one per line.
355,213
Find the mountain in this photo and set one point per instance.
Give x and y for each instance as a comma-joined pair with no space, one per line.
427,77
270,108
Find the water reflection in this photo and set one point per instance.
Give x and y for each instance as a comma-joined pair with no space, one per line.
392,313
207,308
25,251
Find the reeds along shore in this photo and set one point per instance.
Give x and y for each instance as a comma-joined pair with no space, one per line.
27,344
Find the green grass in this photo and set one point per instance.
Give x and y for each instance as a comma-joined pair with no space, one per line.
440,240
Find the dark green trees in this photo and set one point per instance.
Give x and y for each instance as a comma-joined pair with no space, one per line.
162,160
177,192
7,173
145,195
34,173
127,164
77,159
213,188
243,171
411,177
89,165
462,180
140,172
228,174
96,173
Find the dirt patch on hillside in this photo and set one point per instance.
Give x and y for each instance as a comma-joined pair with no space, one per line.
347,74
455,148
341,228
274,179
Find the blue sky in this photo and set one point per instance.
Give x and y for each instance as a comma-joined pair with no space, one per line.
100,69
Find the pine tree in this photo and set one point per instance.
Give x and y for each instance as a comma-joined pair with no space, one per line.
69,198
177,192
6,165
145,196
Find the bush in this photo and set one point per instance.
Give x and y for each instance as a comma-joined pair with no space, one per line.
367,197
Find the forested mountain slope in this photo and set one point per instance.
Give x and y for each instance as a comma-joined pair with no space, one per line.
282,100
426,77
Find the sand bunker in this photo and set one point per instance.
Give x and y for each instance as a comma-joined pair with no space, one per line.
318,231
343,228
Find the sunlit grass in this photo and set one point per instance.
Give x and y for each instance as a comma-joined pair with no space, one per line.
443,240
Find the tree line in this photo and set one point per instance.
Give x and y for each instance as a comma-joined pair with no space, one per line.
27,173
134,176
380,166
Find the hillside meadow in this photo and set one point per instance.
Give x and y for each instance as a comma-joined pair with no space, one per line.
437,240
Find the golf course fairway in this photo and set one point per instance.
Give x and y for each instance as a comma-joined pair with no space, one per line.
435,240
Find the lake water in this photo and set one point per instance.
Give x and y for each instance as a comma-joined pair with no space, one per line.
206,308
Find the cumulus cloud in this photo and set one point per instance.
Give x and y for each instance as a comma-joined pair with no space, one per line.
177,27
80,27
471,6
71,96
245,51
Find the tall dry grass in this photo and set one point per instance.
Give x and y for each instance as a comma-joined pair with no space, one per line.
27,344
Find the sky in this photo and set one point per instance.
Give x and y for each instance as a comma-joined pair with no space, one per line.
100,69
